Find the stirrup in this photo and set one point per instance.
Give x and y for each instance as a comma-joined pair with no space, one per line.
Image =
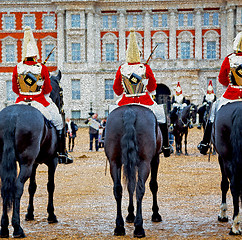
64,158
203,148
199,126
166,151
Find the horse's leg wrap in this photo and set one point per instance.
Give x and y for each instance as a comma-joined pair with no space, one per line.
235,229
222,217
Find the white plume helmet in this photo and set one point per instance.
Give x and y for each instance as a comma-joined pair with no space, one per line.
133,52
237,46
30,48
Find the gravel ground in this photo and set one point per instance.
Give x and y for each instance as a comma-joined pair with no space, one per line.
189,198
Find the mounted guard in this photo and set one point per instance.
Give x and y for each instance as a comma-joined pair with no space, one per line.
230,76
135,84
31,82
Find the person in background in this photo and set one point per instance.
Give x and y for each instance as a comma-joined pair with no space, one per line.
71,129
94,124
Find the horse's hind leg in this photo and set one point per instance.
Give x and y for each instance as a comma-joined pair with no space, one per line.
51,187
32,189
222,217
156,217
117,191
143,174
4,232
186,153
130,218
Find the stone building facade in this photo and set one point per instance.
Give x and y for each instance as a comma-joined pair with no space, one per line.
91,37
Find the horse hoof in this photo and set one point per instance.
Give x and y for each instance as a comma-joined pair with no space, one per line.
29,217
224,219
4,233
139,232
119,231
130,218
52,219
18,232
156,218
234,233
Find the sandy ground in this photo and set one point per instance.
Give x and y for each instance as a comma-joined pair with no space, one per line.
189,198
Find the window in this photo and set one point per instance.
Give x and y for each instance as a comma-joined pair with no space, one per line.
160,51
10,56
139,21
9,22
114,21
76,52
180,19
75,21
11,96
105,21
155,20
49,22
206,19
48,48
110,52
185,50
211,50
76,89
164,20
189,19
130,21
75,114
109,89
29,21
215,19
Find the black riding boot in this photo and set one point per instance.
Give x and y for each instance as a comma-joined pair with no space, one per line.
204,145
166,149
61,149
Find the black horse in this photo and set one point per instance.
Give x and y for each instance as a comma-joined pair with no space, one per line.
25,138
227,139
183,120
206,114
133,140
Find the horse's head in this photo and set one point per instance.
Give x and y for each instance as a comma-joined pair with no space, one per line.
57,91
193,112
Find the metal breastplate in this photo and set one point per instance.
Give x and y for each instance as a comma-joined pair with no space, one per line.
133,79
235,69
29,79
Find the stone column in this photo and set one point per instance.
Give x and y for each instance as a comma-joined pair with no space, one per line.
147,35
230,29
223,20
198,34
60,40
122,38
97,38
90,36
172,37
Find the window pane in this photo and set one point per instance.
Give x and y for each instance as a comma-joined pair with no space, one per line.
114,21
189,19
11,96
75,21
109,89
215,19
76,89
130,21
110,52
105,21
9,22
155,20
29,21
164,20
160,50
180,19
76,51
206,19
49,22
48,48
10,57
139,21
75,114
211,50
185,50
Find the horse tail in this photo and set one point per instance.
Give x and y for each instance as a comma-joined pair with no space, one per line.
8,169
236,141
129,147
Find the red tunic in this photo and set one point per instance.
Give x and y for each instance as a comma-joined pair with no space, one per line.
144,99
45,89
232,92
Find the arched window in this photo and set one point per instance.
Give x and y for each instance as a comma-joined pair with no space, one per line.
109,47
185,45
48,44
211,45
9,50
160,39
